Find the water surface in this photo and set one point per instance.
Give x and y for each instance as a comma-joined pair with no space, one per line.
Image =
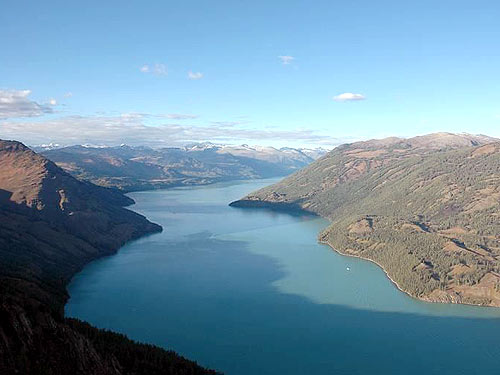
252,292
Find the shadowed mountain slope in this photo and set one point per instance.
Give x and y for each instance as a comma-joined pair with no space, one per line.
51,225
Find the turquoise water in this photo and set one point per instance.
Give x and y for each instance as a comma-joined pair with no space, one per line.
252,292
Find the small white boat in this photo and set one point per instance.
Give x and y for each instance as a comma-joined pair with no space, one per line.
348,268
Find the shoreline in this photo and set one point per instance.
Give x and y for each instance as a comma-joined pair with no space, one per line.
395,282
295,209
154,229
374,262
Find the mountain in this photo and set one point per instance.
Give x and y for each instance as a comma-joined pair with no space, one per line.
51,225
314,153
140,168
426,209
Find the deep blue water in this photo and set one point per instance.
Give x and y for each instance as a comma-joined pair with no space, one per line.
252,292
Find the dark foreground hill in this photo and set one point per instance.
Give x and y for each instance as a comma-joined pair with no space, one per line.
51,225
426,209
141,168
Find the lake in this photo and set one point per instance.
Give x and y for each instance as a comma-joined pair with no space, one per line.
248,291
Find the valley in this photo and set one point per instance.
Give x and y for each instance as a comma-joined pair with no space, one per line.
143,168
424,209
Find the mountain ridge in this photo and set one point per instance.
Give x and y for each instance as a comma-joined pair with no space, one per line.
142,168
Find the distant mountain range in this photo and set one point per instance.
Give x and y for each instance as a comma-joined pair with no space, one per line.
140,168
51,225
426,209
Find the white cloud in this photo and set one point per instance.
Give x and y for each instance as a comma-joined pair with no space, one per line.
348,97
180,116
195,75
156,69
68,94
132,116
15,103
53,101
228,123
131,129
286,60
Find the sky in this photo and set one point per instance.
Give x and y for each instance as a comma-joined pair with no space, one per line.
280,73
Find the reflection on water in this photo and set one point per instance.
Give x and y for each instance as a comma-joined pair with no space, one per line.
252,292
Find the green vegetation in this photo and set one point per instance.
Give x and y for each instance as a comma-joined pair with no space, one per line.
429,216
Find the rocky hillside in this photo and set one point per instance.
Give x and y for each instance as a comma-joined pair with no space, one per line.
51,225
139,168
426,209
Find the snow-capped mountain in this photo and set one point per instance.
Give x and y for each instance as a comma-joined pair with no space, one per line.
134,168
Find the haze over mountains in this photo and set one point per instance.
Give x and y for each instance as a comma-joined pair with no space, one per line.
51,225
140,168
426,209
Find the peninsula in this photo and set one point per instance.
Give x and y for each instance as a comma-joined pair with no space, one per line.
425,209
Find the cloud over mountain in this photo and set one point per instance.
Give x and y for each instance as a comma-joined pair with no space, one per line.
135,129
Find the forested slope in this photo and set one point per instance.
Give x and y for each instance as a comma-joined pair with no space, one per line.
426,209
